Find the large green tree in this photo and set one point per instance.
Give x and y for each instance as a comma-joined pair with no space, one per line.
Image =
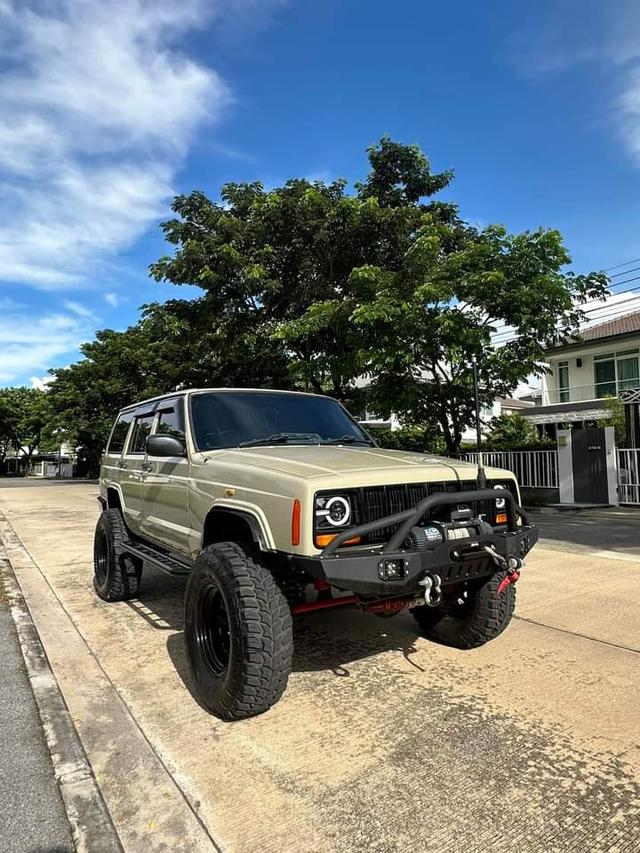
177,344
118,368
25,415
264,257
423,325
387,285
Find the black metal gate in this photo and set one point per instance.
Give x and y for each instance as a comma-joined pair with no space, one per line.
589,454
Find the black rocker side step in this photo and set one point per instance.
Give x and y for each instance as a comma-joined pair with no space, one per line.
161,561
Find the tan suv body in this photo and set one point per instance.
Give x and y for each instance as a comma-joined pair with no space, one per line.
167,499
298,489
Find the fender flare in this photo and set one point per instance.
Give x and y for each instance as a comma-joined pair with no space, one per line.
104,500
255,518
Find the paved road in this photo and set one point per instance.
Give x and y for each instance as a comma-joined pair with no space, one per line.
37,482
383,741
32,817
615,530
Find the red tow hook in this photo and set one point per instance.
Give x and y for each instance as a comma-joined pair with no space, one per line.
514,564
507,580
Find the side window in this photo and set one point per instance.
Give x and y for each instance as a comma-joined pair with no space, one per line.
119,434
563,381
141,430
171,420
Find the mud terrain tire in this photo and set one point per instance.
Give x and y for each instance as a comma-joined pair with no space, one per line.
238,633
116,575
484,616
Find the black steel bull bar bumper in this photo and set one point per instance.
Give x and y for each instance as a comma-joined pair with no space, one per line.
453,560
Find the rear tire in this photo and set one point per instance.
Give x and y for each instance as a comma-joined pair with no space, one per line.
469,619
116,574
238,633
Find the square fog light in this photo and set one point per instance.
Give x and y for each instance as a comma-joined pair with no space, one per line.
391,570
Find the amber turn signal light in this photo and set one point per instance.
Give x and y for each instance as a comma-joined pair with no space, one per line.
324,538
295,522
501,518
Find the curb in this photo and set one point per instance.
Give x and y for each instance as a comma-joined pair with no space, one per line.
91,825
555,509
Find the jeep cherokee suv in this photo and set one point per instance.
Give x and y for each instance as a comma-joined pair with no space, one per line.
276,503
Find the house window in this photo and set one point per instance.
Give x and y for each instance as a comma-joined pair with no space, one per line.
563,381
627,367
605,375
368,416
613,373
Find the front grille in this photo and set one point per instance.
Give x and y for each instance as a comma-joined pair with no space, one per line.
374,502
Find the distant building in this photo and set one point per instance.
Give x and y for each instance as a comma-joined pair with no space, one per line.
500,406
604,362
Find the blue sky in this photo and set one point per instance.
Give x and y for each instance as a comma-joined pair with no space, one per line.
109,107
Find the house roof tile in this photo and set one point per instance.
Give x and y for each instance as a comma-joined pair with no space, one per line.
619,326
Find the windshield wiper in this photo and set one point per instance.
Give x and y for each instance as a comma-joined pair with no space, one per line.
348,439
281,438
305,437
276,438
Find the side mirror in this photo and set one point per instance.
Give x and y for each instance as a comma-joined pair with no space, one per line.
165,445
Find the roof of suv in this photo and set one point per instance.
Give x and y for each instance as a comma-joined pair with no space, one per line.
172,394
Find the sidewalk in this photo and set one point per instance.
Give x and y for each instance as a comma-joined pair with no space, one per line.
32,816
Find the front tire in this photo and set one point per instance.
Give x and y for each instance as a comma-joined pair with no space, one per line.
469,618
238,633
116,574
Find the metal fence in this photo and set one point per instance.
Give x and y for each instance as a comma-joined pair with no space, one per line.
629,475
534,469
49,470
595,392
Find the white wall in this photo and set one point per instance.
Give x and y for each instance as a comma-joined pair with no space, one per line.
486,414
581,378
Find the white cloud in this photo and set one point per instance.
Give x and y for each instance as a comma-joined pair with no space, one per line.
112,299
40,382
80,310
29,343
98,106
590,31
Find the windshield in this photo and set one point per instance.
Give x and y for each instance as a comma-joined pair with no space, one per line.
245,418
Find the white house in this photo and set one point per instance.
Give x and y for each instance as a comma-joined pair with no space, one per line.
500,406
604,362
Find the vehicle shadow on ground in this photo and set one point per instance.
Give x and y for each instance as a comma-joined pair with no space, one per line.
328,641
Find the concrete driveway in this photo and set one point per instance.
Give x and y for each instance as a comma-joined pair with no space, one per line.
382,742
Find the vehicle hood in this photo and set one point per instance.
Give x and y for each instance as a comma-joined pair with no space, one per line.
361,464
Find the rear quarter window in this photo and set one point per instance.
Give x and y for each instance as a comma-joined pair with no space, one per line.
141,431
171,420
119,433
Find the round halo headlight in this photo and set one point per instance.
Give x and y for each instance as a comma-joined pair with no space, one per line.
338,511
500,502
332,511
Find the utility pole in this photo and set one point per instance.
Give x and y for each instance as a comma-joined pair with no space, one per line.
481,477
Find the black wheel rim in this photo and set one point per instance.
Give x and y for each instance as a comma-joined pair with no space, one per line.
213,634
102,556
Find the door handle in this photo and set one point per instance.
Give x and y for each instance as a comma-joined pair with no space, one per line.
121,464
146,466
